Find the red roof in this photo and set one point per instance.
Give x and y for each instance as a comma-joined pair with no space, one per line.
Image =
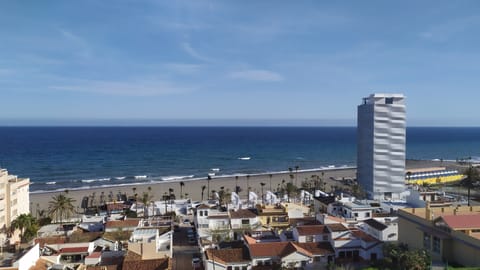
462,221
282,249
95,255
122,223
311,229
74,250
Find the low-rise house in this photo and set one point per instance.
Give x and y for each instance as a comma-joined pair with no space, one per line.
320,203
122,225
228,259
243,220
384,229
133,261
291,254
274,216
151,243
352,209
311,233
352,244
449,234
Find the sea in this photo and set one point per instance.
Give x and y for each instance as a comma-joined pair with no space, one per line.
59,158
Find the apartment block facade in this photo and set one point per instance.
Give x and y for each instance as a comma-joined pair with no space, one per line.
381,145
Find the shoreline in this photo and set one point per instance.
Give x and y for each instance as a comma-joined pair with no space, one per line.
192,186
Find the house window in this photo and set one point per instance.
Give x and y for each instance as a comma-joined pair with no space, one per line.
355,214
200,213
436,244
426,241
367,214
244,268
245,221
229,268
309,239
237,267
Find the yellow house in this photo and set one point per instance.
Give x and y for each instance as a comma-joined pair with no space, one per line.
275,216
449,234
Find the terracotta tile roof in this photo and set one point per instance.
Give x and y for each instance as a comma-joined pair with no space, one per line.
316,249
364,236
312,229
337,227
229,255
122,223
115,206
249,239
74,250
462,221
50,241
375,224
242,213
274,249
203,206
94,255
134,261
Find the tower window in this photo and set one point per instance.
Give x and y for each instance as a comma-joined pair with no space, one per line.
389,100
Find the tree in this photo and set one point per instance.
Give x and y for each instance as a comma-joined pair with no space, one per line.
290,189
61,208
270,176
203,190
208,184
472,177
236,183
145,200
248,185
181,189
25,223
296,173
262,184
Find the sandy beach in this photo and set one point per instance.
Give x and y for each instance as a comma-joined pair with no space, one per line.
193,187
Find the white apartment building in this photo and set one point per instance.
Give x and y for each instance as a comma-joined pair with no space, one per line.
14,197
381,145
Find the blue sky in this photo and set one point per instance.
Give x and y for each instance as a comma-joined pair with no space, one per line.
236,62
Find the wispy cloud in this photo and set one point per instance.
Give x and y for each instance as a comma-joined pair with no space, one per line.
445,31
82,46
144,87
194,53
257,75
182,68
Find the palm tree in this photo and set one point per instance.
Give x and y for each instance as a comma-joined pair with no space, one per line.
181,189
145,199
290,189
248,185
262,184
270,175
134,189
23,222
208,183
236,183
296,173
472,176
60,207
203,190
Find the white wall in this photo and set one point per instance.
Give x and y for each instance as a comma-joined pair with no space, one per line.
29,259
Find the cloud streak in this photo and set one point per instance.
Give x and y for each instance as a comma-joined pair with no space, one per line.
257,75
194,53
145,87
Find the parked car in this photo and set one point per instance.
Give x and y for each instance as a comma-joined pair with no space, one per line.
186,221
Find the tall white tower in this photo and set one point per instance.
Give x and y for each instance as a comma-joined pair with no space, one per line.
381,145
